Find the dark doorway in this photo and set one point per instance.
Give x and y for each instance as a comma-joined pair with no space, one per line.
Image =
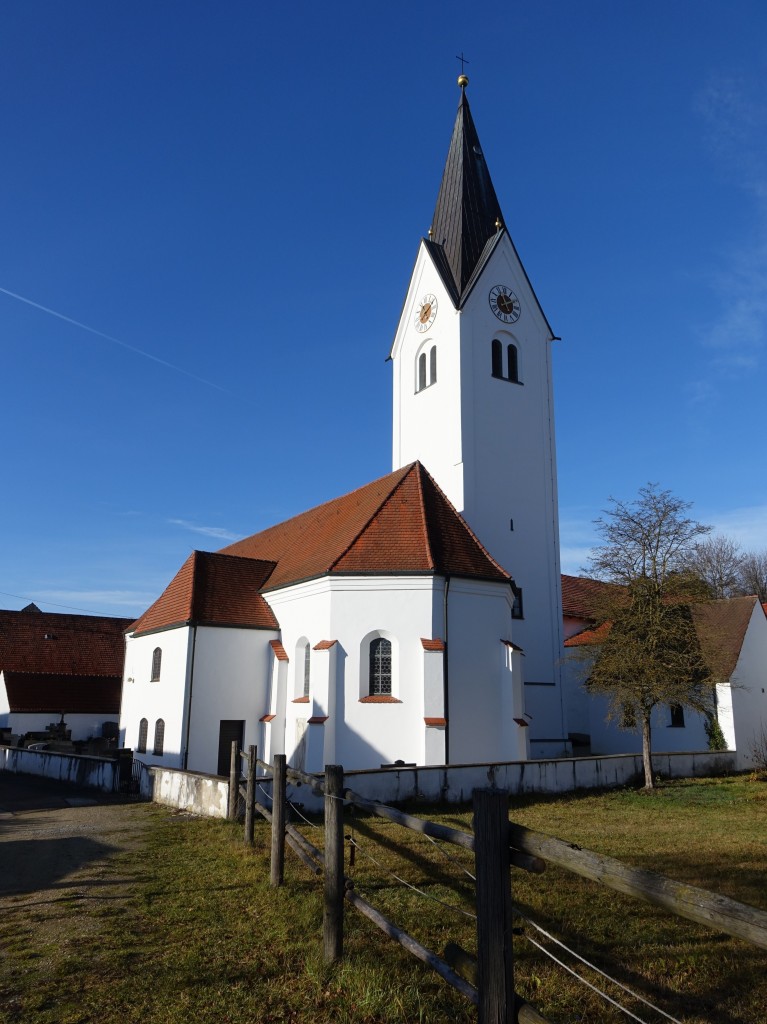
229,730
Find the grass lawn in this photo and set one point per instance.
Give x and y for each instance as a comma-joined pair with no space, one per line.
193,932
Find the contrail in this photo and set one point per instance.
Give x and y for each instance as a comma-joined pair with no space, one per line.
115,341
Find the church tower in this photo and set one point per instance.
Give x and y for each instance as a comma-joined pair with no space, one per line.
473,402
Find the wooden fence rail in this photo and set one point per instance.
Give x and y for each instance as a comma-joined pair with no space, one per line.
497,844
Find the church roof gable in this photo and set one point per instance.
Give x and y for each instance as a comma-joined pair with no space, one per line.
212,589
401,523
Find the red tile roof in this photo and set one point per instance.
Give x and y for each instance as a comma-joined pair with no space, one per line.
721,627
212,589
432,645
324,645
402,523
39,692
72,645
435,721
279,651
580,596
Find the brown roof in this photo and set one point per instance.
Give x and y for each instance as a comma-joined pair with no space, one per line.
581,596
721,627
402,523
212,589
38,692
48,642
279,651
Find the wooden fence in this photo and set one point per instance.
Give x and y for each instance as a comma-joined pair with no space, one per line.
498,844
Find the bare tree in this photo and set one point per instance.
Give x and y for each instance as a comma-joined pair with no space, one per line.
753,574
651,654
716,561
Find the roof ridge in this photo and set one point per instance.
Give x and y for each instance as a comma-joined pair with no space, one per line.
407,470
419,483
471,532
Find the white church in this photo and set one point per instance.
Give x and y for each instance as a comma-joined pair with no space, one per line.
417,620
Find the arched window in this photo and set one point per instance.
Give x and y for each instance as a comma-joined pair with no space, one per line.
159,737
143,729
510,370
513,364
421,372
433,365
156,663
380,667
307,668
497,358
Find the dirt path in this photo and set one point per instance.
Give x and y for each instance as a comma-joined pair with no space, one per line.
58,849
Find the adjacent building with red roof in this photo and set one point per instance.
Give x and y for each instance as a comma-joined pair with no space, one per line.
732,631
58,668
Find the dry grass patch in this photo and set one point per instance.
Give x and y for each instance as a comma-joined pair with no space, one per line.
195,932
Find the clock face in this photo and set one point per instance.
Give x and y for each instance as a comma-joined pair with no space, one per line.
505,304
426,313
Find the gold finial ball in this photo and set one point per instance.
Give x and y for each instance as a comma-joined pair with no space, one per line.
463,81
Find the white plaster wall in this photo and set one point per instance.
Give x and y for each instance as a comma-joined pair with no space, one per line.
747,692
440,449
5,707
348,609
490,445
480,681
587,713
232,669
166,698
608,738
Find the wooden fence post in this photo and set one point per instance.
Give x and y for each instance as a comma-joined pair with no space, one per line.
333,916
250,796
278,819
234,779
494,934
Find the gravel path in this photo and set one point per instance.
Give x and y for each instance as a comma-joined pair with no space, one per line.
59,843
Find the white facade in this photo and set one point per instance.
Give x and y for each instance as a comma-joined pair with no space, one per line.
741,705
489,443
341,723
208,675
742,702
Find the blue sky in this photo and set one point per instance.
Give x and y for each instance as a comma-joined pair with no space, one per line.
208,218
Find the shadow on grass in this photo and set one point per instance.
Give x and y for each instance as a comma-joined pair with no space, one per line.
29,865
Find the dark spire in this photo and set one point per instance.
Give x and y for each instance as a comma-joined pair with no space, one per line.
467,213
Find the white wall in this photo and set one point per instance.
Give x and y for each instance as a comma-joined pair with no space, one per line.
490,445
404,609
164,698
743,704
230,681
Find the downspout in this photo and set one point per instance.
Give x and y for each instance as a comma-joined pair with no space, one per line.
185,760
445,687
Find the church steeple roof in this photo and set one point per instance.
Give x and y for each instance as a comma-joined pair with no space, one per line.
467,215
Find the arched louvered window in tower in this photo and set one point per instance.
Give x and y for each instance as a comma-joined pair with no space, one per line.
156,664
143,730
513,364
433,365
421,372
159,737
380,667
497,358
